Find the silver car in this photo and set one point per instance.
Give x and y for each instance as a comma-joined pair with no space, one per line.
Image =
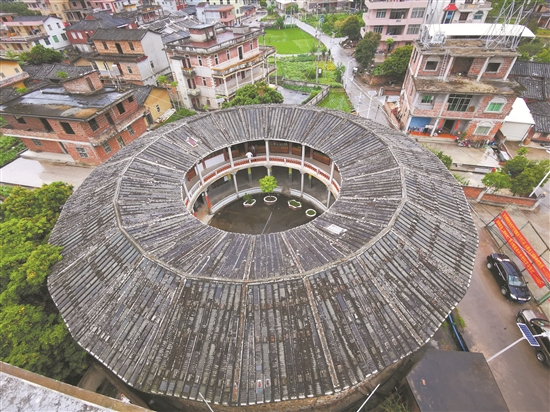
537,323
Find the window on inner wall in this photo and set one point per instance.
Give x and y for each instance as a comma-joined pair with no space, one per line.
427,99
495,107
80,36
152,64
251,44
482,130
93,124
493,67
478,15
130,99
36,142
431,65
417,13
129,69
381,14
216,59
73,34
55,39
120,108
67,128
106,147
47,41
243,74
49,25
131,45
64,36
20,120
82,152
58,25
398,14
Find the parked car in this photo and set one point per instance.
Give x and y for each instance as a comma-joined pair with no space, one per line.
509,277
537,323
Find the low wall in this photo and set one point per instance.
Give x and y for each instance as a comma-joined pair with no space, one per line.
320,96
494,199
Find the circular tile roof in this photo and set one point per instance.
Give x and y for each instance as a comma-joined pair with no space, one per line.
176,307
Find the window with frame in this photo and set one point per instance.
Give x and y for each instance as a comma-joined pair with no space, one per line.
55,39
82,152
398,14
49,25
131,45
158,108
129,69
381,14
495,107
227,55
130,130
417,13
251,44
36,142
199,59
478,15
47,41
67,128
459,102
152,64
482,130
378,29
413,29
120,108
58,25
130,99
20,120
79,35
120,141
74,35
204,81
64,36
105,45
431,65
93,124
493,67
106,146
427,99
216,61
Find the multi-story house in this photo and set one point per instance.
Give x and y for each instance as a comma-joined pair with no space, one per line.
320,6
27,31
132,56
172,5
238,10
211,65
457,82
79,33
11,73
401,20
141,15
77,10
40,6
79,117
213,14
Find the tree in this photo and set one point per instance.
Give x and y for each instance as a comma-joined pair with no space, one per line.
62,75
497,180
33,335
257,93
396,64
543,56
292,8
515,166
162,80
280,22
445,159
263,3
366,49
351,29
41,55
20,9
268,184
389,44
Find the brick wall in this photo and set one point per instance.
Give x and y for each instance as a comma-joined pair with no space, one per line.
503,69
80,85
473,193
472,127
45,146
482,106
124,45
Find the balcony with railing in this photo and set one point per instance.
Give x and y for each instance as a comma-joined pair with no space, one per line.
473,6
194,92
23,39
188,72
182,50
14,79
407,4
229,88
250,60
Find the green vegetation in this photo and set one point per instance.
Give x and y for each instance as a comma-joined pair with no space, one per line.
33,335
289,41
458,320
446,159
257,93
537,50
9,149
396,64
40,55
20,9
366,49
393,403
302,68
247,198
180,114
519,174
333,22
351,28
337,99
5,190
268,184
295,203
461,179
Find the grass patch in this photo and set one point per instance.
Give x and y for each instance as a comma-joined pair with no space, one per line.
5,190
543,32
337,99
302,68
180,114
459,322
9,148
289,41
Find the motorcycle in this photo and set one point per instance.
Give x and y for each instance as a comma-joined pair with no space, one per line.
465,143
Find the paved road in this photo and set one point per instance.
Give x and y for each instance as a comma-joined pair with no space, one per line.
491,326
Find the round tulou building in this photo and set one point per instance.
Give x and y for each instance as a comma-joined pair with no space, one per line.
308,317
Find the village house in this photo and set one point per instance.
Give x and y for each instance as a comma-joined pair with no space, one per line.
210,65
11,73
78,117
25,32
225,14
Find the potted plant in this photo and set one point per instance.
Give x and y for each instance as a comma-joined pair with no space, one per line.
268,185
311,213
294,204
248,200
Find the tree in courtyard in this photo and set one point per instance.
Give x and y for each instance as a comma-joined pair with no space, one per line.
366,49
20,9
396,64
268,184
445,159
257,93
279,22
41,55
389,45
534,172
515,166
292,8
351,29
33,335
497,180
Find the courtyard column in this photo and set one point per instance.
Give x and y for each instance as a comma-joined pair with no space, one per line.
448,69
237,79
234,175
267,150
231,157
200,174
328,197
290,174
301,184
188,197
303,155
252,74
331,172
309,178
207,199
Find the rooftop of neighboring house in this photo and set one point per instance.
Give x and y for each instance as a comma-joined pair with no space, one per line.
531,69
141,93
49,71
468,86
536,89
214,8
223,36
171,37
119,34
56,102
98,20
541,114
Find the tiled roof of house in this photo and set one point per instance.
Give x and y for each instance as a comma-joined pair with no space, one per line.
538,89
119,34
177,307
141,93
49,71
541,113
531,69
31,18
101,20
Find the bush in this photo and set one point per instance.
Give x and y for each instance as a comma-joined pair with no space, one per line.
10,147
180,114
